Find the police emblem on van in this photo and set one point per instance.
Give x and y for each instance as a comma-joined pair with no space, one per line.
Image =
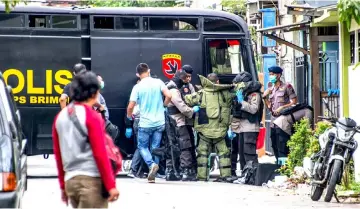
170,64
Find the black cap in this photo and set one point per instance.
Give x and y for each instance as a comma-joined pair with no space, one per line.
275,69
78,68
188,69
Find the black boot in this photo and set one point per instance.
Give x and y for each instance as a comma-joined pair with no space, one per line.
188,175
171,176
229,179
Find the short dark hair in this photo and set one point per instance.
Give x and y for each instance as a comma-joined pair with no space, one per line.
142,68
78,68
180,74
84,86
213,77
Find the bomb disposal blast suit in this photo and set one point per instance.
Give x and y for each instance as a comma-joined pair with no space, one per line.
212,123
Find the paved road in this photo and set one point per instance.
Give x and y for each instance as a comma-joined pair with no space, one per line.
137,193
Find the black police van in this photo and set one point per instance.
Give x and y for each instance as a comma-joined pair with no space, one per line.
40,45
13,168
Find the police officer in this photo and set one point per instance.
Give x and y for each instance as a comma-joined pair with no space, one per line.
179,111
212,122
247,114
187,89
280,96
286,122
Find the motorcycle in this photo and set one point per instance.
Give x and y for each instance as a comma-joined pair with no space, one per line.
337,146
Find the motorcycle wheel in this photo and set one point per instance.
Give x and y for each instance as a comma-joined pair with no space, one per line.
316,193
336,169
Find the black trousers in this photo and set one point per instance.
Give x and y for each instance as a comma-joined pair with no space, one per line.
185,144
243,145
193,147
279,140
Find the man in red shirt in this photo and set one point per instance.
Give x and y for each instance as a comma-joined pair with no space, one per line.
82,163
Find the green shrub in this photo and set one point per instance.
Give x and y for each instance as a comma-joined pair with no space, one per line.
303,143
314,147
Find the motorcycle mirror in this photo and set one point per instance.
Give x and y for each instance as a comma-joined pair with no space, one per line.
325,101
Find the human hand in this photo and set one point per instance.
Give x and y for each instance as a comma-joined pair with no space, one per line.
196,109
267,92
231,134
128,132
278,110
113,195
239,96
64,197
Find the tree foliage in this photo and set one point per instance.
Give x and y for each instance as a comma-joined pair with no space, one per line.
348,10
10,4
131,3
237,7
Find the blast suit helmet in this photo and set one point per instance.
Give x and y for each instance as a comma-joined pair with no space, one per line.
242,77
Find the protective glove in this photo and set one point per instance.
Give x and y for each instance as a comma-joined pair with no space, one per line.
128,132
231,134
196,109
239,96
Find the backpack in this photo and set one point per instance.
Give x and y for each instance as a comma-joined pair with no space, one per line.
112,151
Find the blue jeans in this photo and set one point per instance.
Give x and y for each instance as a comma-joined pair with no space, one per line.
149,136
137,160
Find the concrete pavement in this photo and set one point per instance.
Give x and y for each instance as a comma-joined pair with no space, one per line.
137,193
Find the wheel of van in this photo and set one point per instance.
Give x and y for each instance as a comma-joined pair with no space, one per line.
316,192
335,173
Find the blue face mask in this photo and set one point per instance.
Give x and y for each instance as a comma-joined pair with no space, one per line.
273,79
102,84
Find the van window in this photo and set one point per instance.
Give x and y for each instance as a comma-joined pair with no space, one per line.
226,57
39,21
12,20
171,23
220,25
127,23
102,22
64,21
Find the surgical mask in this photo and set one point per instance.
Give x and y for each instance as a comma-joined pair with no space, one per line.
273,78
102,84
